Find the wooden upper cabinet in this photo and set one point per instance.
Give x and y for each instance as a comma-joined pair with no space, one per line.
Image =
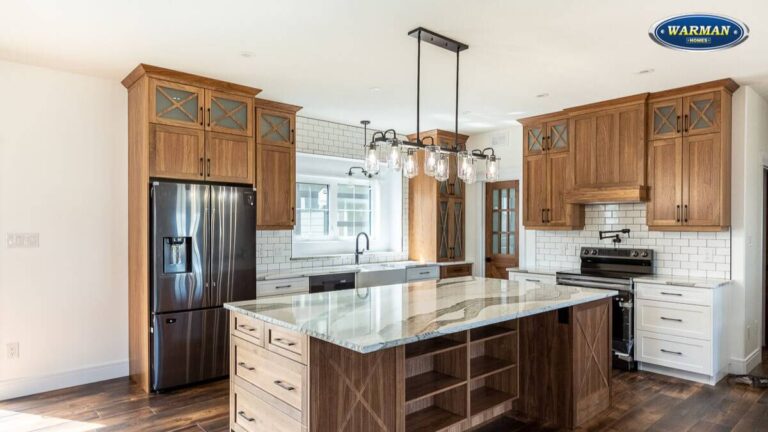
230,158
702,113
534,139
666,119
229,113
535,193
666,182
275,127
702,183
558,137
276,187
176,152
450,229
176,104
557,209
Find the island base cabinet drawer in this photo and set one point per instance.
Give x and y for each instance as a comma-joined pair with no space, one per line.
251,414
674,319
283,379
674,293
675,352
287,343
252,330
456,270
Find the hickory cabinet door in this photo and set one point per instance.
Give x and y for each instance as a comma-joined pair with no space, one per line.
275,187
176,104
176,152
665,181
275,128
701,113
666,119
230,158
228,113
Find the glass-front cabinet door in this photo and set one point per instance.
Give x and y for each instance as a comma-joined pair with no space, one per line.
557,136
701,113
176,104
666,119
275,127
535,139
229,113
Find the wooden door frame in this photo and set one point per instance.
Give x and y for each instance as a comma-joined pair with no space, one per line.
488,215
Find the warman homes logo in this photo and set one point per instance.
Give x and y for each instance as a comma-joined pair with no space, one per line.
699,32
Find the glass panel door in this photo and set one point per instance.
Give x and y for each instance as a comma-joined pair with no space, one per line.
229,113
534,139
702,113
275,127
666,119
501,228
176,104
557,140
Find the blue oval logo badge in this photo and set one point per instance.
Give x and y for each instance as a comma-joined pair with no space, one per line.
699,32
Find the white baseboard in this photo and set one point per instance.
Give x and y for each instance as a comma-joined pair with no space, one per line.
690,376
744,366
37,384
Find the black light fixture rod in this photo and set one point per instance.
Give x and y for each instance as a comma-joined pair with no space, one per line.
456,120
418,87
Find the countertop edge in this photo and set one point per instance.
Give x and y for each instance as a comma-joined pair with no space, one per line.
365,349
673,281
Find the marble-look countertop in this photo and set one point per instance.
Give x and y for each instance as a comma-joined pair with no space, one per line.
451,263
550,271
371,319
355,268
683,281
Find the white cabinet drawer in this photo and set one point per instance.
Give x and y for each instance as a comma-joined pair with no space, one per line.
674,293
675,352
674,319
422,273
281,286
532,277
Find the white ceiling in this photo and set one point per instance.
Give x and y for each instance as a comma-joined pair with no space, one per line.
328,55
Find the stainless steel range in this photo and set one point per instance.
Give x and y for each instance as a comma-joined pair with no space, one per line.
610,268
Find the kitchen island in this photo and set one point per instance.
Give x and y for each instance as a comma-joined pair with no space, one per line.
425,356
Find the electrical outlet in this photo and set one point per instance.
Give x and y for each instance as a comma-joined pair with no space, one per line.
12,350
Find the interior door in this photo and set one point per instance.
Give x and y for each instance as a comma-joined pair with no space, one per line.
276,187
535,182
179,218
701,180
666,119
665,181
701,113
233,245
176,152
501,233
230,158
556,213
176,104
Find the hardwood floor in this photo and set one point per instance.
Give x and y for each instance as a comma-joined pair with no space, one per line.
641,402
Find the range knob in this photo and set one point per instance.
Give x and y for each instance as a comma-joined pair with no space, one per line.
594,251
586,251
635,254
645,254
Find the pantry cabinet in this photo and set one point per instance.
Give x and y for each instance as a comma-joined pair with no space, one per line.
276,165
689,169
548,174
437,209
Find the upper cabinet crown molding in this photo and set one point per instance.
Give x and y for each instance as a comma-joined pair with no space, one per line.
726,84
186,78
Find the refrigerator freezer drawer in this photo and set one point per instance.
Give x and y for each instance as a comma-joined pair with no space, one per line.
188,347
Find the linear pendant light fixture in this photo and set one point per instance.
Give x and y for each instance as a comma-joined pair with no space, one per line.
402,154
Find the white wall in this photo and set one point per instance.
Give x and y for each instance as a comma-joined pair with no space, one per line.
63,162
749,156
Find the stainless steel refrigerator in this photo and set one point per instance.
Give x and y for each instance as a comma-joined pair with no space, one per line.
203,254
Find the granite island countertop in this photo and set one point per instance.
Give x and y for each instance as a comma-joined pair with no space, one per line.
371,319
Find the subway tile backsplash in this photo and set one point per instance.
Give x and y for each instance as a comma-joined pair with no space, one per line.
273,248
695,254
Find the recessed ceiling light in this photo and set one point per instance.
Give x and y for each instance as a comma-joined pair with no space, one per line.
247,54
375,89
542,95
645,71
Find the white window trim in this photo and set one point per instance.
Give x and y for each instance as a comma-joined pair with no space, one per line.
333,206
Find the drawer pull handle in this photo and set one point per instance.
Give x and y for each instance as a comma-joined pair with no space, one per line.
672,294
672,319
671,352
283,286
424,273
242,414
533,280
285,342
284,385
245,365
678,283
247,328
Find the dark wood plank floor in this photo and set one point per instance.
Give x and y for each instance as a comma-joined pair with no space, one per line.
641,402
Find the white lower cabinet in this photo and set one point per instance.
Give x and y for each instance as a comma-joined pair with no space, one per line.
679,331
531,277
